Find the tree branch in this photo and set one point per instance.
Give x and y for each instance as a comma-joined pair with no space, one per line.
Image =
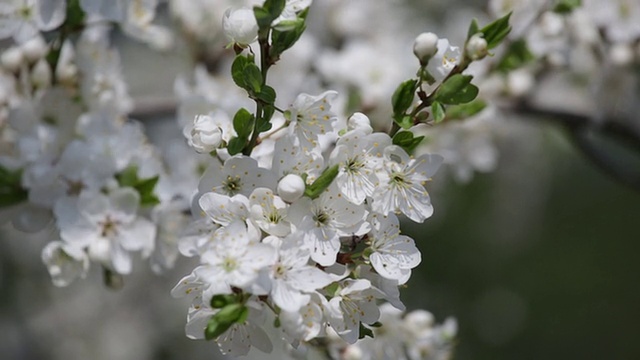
582,128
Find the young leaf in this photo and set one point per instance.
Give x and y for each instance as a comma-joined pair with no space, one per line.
284,39
243,123
253,78
407,141
566,6
473,29
222,300
267,114
322,182
129,178
236,145
496,31
267,95
437,110
365,331
224,319
237,70
457,90
405,121
268,12
464,111
403,97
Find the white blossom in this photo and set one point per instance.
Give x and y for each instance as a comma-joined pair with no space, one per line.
402,181
322,221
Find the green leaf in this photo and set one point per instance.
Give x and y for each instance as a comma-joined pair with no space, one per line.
407,141
268,12
145,189
437,110
457,90
267,95
253,78
283,39
265,123
517,55
566,6
473,29
243,123
236,145
322,182
129,178
402,98
465,111
224,319
75,15
496,31
246,74
405,121
237,70
365,331
222,300
11,191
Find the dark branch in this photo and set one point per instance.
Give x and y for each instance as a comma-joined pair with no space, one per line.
583,130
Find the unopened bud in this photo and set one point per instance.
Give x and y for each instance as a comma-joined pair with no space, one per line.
425,46
12,59
67,74
360,121
476,47
41,74
621,54
240,26
352,352
291,188
34,49
205,135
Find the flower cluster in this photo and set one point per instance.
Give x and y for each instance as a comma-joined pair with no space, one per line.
314,236
71,155
296,214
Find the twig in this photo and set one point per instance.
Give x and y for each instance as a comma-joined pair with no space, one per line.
581,129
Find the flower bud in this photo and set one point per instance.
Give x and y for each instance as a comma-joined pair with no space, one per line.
291,188
425,46
204,136
67,74
12,58
99,251
476,47
360,121
41,74
34,49
352,352
240,26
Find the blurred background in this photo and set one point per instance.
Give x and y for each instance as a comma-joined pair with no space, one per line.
535,260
